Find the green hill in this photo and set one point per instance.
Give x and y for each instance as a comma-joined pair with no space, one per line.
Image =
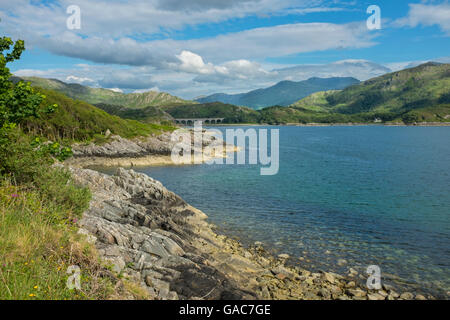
315,102
76,120
414,95
149,114
231,113
106,96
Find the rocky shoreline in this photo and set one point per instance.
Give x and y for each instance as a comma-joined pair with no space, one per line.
148,151
153,237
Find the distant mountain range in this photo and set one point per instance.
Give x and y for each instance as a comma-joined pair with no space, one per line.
283,93
106,96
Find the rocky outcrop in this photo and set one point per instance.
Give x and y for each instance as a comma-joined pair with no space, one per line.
155,238
151,235
152,150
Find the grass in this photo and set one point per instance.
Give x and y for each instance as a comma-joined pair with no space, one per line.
39,207
38,242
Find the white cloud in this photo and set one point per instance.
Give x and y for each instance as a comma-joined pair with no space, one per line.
202,5
127,79
118,18
207,72
31,73
146,90
115,90
80,80
359,69
117,32
193,63
427,15
276,41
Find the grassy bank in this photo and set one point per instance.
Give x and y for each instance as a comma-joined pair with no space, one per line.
39,208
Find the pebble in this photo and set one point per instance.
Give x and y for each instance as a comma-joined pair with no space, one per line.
407,296
356,292
383,293
352,272
324,293
329,277
341,262
375,296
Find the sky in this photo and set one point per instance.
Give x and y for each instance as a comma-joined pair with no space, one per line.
191,48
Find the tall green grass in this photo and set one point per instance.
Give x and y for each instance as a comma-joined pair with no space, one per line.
40,205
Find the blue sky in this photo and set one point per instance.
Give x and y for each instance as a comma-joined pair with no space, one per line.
198,47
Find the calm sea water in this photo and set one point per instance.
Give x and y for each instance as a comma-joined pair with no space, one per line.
371,195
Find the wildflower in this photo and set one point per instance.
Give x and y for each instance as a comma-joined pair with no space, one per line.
35,287
14,195
26,263
32,295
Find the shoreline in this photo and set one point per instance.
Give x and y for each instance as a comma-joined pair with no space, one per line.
143,161
150,235
150,151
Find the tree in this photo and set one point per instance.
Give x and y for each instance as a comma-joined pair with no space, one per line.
19,101
410,117
18,154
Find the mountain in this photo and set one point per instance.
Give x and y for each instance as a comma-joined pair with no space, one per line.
283,93
423,90
100,95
